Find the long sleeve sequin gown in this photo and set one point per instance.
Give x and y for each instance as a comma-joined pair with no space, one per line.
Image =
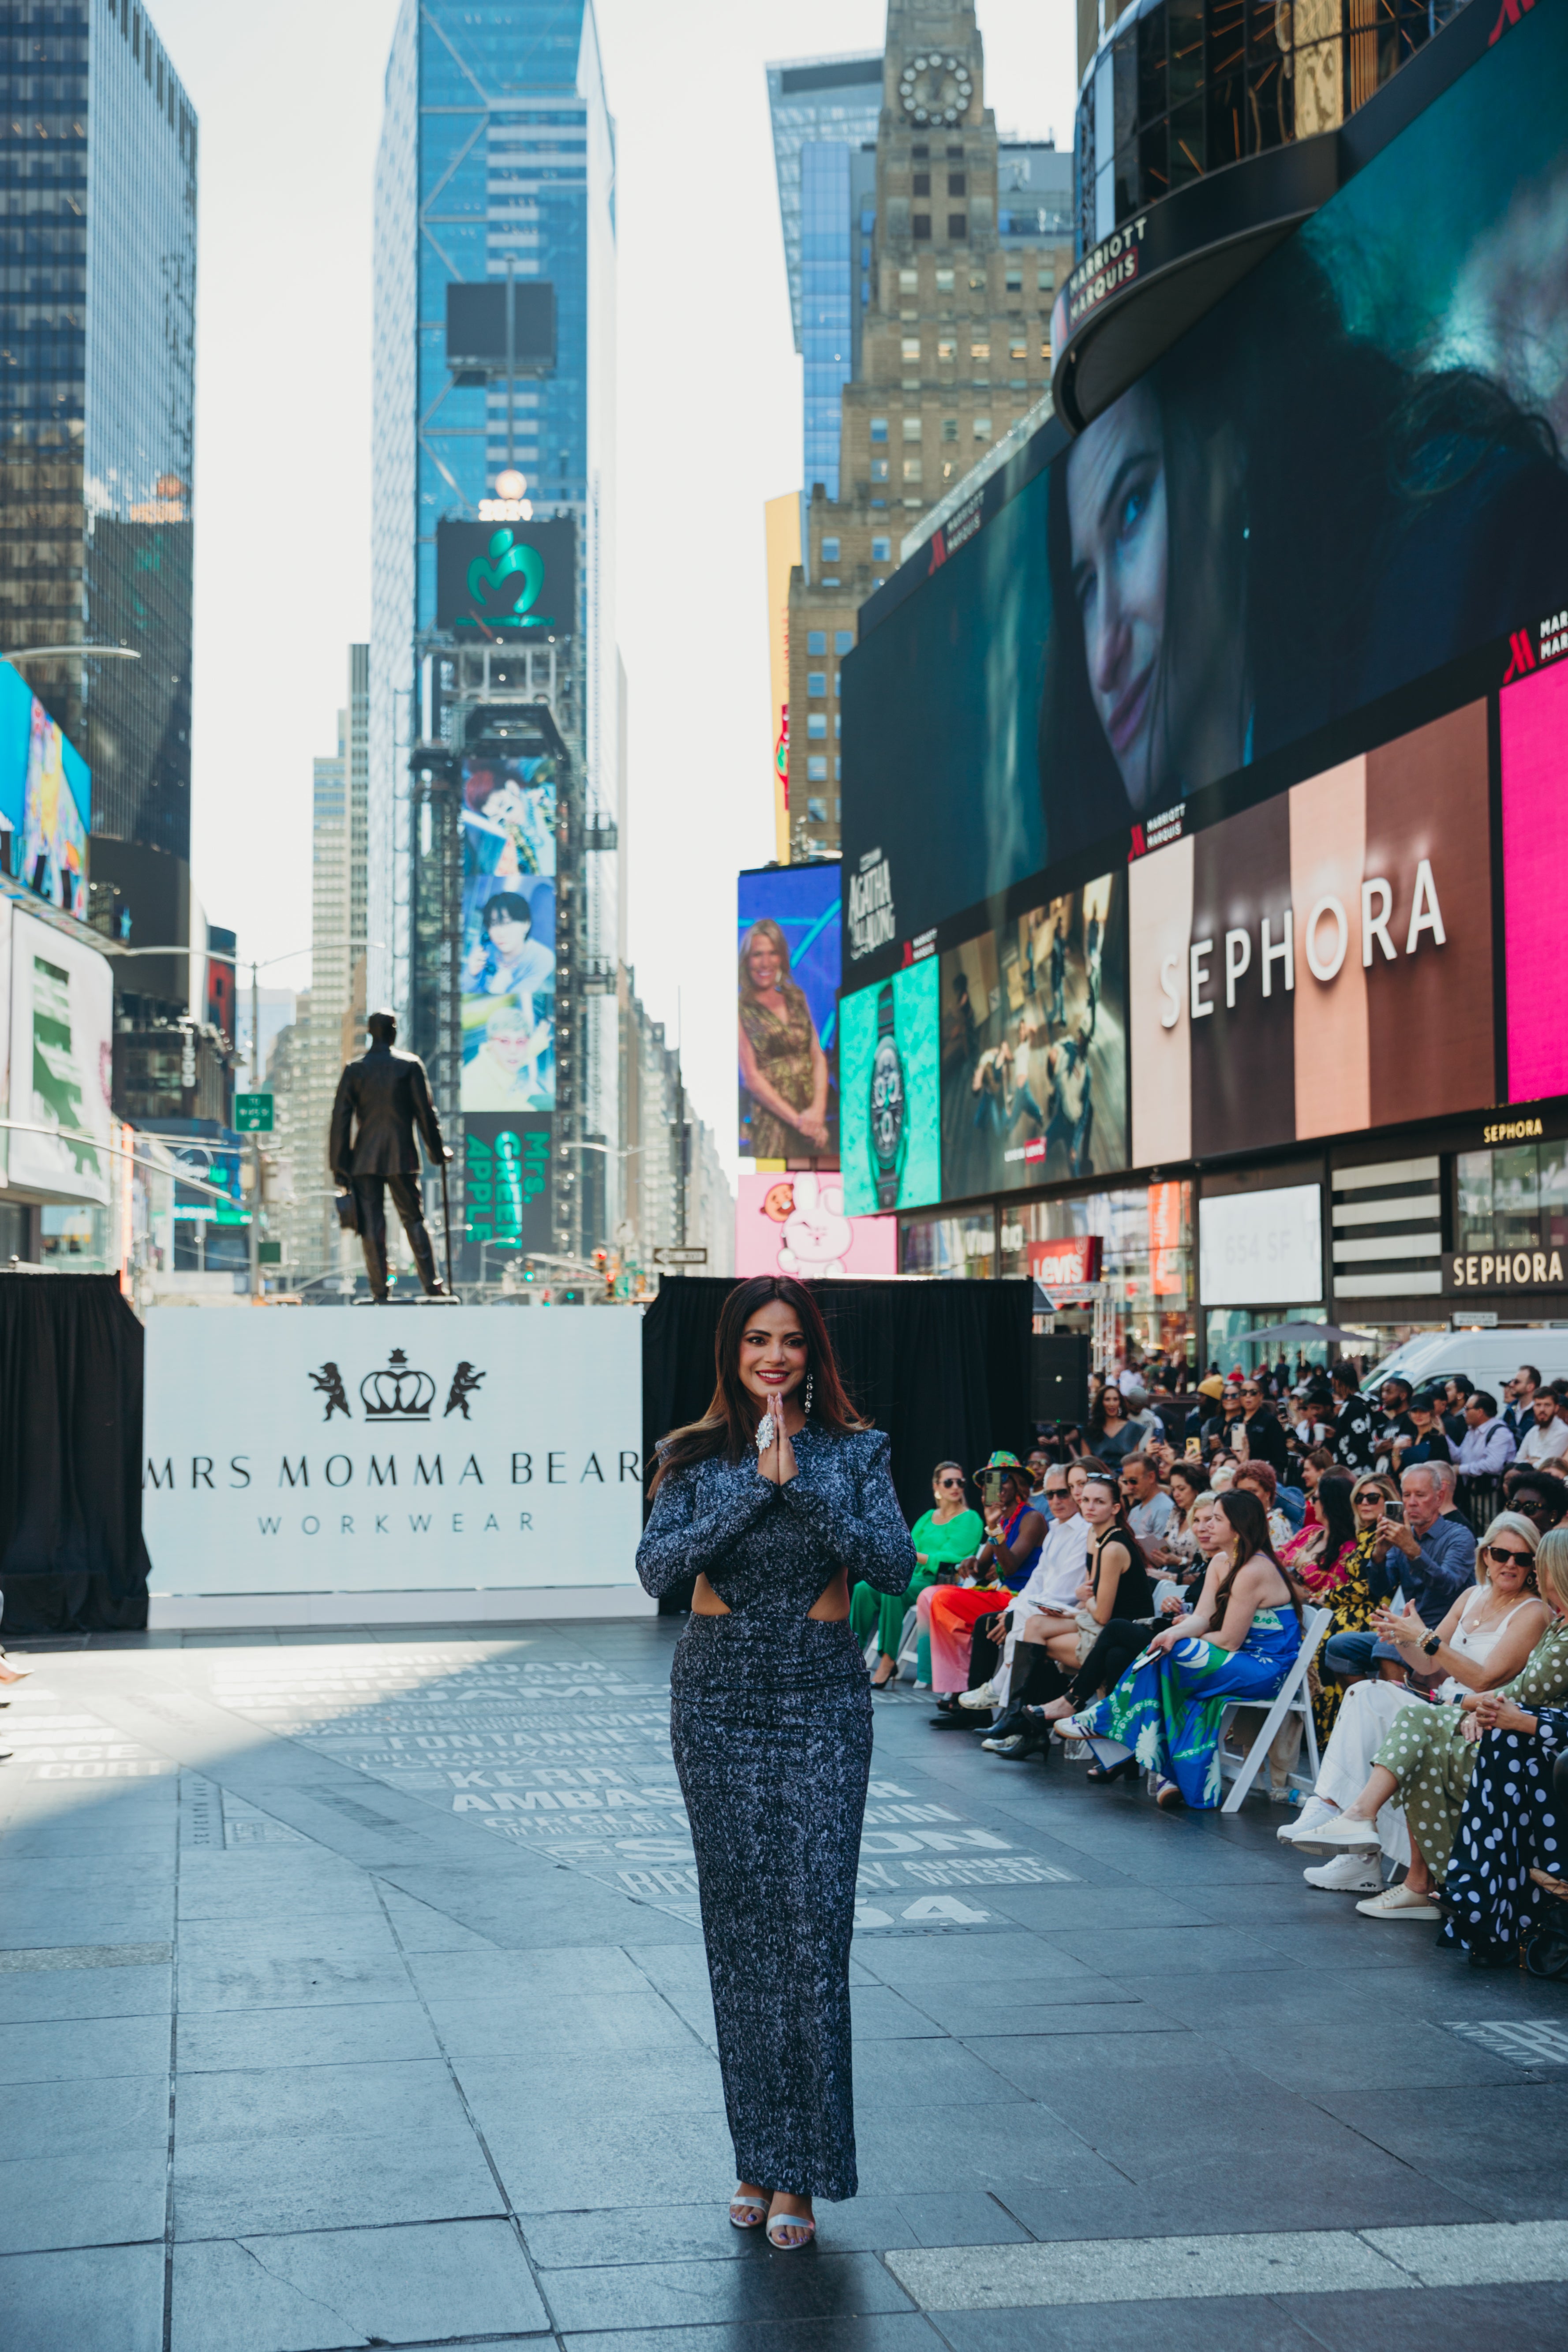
771,1724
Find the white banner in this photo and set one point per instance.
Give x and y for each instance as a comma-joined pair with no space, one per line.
340,1449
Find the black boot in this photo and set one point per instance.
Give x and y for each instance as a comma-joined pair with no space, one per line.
1020,1735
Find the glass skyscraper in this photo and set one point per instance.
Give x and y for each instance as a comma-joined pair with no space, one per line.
496,162
97,262
812,100
825,114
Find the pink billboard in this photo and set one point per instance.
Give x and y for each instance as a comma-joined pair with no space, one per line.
1534,739
796,1224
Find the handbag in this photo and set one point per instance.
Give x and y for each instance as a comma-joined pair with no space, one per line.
347,1206
1546,1947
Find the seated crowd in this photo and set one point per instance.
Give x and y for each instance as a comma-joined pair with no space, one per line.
1118,1599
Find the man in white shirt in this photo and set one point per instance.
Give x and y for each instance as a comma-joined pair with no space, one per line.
1058,1573
1547,1439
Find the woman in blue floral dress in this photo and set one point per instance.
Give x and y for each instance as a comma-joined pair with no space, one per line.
1238,1644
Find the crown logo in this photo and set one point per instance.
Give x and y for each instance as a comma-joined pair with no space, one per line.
397,1392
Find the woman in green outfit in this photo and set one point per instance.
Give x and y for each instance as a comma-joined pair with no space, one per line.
946,1533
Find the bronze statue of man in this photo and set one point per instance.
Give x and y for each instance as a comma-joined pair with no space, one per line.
381,1099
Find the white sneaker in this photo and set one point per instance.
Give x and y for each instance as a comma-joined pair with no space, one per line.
1347,1874
1341,1835
1312,1816
1399,1903
987,1696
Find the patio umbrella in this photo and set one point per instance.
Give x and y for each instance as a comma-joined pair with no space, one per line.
1298,1335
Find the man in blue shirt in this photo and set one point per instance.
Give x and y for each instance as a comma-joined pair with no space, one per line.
1430,1552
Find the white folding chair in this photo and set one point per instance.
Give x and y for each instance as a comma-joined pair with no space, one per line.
907,1644
1294,1698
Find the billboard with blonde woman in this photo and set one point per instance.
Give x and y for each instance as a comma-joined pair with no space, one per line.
788,1013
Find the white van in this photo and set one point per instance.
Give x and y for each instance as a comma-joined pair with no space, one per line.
1487,1358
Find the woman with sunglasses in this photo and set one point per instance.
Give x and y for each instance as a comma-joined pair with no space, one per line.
944,1534
1428,1756
1482,1642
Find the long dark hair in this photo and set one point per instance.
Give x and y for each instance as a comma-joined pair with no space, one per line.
1121,1528
730,1424
1097,1410
1332,1497
1250,1521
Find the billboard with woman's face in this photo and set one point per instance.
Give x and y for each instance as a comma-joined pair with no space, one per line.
508,985
1347,478
788,1022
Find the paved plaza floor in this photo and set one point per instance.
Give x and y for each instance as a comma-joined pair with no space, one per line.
351,1992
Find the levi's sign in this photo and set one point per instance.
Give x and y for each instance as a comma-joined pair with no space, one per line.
1062,1265
341,1451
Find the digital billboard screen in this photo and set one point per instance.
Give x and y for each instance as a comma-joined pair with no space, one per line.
890,1067
46,801
789,936
506,990
506,582
506,1191
1346,478
1533,742
1033,1045
1288,963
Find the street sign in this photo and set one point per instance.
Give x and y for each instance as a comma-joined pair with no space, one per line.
680,1256
269,1252
253,1114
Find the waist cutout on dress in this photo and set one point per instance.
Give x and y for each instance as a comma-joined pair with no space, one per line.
793,1652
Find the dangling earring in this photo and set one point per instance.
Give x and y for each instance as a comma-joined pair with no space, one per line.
807,1403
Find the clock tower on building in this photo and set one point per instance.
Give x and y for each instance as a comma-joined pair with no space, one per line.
956,291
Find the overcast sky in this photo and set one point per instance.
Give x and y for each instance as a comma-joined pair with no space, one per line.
289,93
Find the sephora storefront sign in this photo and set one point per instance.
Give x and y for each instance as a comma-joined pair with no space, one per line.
458,1462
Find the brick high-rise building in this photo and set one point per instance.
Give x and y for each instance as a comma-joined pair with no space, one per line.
953,274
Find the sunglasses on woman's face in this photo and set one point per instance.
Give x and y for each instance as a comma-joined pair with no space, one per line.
950,1482
1504,1558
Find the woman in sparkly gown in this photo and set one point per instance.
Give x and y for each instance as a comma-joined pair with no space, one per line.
778,1496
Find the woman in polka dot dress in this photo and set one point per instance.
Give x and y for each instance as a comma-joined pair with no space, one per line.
1491,1903
1431,1752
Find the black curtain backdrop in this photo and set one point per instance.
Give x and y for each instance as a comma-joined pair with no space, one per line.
944,1367
71,1554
